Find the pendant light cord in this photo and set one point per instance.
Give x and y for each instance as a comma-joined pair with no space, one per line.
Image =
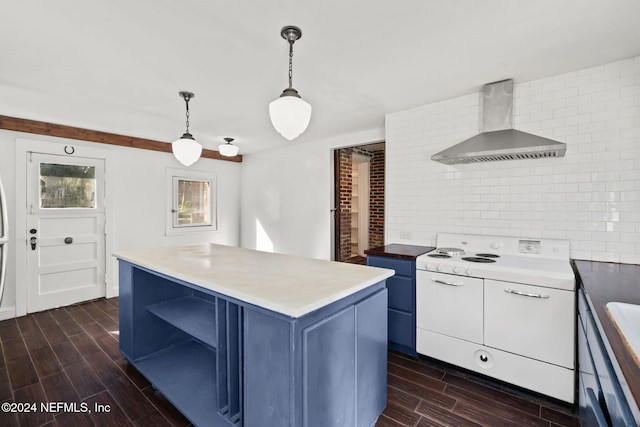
290,63
186,101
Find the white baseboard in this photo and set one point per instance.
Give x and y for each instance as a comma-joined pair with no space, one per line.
113,292
7,313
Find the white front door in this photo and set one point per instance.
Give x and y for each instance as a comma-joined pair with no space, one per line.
65,230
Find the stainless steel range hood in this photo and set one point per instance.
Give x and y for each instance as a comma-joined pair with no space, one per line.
498,140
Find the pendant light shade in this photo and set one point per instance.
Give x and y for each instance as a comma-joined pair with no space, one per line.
228,149
290,114
186,149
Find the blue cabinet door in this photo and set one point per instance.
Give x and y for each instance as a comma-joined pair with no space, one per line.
326,369
401,292
590,399
601,400
371,357
402,302
329,372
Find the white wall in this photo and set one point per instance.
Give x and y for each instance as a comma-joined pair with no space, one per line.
590,197
137,196
287,196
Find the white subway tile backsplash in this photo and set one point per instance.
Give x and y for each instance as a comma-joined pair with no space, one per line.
606,95
566,111
629,196
610,72
554,85
555,124
621,186
554,105
590,88
592,187
591,196
621,82
630,90
591,107
630,258
578,100
563,131
591,127
631,133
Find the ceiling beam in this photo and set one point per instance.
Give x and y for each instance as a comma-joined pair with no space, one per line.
62,131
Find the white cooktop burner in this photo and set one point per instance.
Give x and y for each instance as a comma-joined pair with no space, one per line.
450,251
541,262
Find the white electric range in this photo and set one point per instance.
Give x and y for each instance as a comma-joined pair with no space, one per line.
501,306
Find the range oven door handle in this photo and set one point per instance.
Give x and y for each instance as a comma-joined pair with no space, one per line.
526,294
444,282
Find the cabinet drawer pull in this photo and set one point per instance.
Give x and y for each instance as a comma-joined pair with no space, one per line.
443,282
525,294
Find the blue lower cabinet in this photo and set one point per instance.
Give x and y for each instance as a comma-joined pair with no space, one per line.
590,398
318,370
224,362
601,400
402,302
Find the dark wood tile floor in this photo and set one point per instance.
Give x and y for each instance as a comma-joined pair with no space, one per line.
357,260
70,356
426,392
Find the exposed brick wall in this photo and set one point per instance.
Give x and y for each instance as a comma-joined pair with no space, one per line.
376,198
346,186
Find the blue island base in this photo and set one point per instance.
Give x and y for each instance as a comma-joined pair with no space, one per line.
225,362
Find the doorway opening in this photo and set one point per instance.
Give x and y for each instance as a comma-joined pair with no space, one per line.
358,201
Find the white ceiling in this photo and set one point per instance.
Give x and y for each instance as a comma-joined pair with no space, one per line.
118,65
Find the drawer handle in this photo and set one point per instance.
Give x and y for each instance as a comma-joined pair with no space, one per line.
525,294
443,282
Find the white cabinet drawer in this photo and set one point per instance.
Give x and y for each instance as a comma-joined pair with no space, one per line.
449,305
529,320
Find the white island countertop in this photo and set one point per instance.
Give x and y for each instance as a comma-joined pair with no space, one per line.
291,285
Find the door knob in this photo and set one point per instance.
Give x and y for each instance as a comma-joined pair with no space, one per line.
68,240
33,243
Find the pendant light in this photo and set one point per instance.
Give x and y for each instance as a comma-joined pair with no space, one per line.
228,149
186,149
290,114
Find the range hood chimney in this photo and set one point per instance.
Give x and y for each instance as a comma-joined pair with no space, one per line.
498,140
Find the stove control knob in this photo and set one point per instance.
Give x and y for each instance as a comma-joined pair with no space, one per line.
438,268
456,270
429,267
468,272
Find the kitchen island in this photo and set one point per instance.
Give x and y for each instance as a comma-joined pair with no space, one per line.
233,336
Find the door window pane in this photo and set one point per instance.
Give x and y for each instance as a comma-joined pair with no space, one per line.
67,186
193,200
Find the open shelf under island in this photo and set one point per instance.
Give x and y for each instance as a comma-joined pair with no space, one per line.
236,337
